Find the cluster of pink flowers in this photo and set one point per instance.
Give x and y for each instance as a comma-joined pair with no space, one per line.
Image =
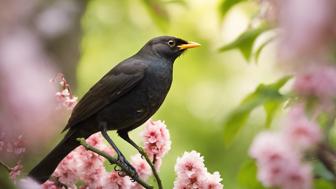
303,35
27,99
279,154
11,149
156,140
305,47
15,171
192,173
17,146
306,35
88,167
306,44
64,97
317,82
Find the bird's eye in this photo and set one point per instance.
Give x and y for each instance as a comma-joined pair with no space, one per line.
171,43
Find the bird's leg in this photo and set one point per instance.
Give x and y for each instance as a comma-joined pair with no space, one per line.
120,157
124,135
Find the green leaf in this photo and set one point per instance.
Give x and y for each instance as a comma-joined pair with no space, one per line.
271,108
226,5
247,177
244,42
322,184
266,95
321,171
261,47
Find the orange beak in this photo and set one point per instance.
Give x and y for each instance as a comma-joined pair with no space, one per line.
189,45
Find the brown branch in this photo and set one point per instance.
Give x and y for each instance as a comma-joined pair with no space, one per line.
113,160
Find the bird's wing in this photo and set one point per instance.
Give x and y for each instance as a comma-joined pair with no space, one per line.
116,83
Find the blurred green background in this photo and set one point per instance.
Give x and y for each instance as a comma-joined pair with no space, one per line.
207,85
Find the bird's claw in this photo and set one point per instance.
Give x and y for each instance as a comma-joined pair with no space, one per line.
128,166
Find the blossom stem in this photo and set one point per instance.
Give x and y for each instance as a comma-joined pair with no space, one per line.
150,163
113,160
5,166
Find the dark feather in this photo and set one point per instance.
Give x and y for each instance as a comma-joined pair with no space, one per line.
112,86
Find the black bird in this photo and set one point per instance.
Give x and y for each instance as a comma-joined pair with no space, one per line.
122,100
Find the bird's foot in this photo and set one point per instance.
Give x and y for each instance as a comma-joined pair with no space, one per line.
126,165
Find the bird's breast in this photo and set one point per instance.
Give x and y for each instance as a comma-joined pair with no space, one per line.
157,85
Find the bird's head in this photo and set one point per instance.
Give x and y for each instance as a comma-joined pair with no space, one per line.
167,47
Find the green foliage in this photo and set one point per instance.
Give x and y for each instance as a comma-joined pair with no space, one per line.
321,171
265,95
226,5
322,184
271,108
261,47
5,182
245,41
247,177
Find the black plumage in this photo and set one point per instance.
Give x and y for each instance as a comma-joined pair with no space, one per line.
122,100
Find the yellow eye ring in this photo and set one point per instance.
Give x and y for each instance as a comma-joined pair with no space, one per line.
171,43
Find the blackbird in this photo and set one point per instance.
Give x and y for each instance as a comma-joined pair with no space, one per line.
123,99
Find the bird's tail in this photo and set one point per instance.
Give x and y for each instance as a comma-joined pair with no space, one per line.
42,171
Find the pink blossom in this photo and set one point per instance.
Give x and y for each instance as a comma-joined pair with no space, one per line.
300,131
84,165
92,169
50,185
27,97
70,103
298,177
319,82
61,95
67,171
271,175
29,183
273,154
114,180
212,181
190,164
279,161
15,171
306,34
156,138
18,146
141,166
64,97
191,173
268,147
97,140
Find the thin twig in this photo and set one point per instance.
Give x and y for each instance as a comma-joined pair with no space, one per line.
113,160
5,166
150,163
